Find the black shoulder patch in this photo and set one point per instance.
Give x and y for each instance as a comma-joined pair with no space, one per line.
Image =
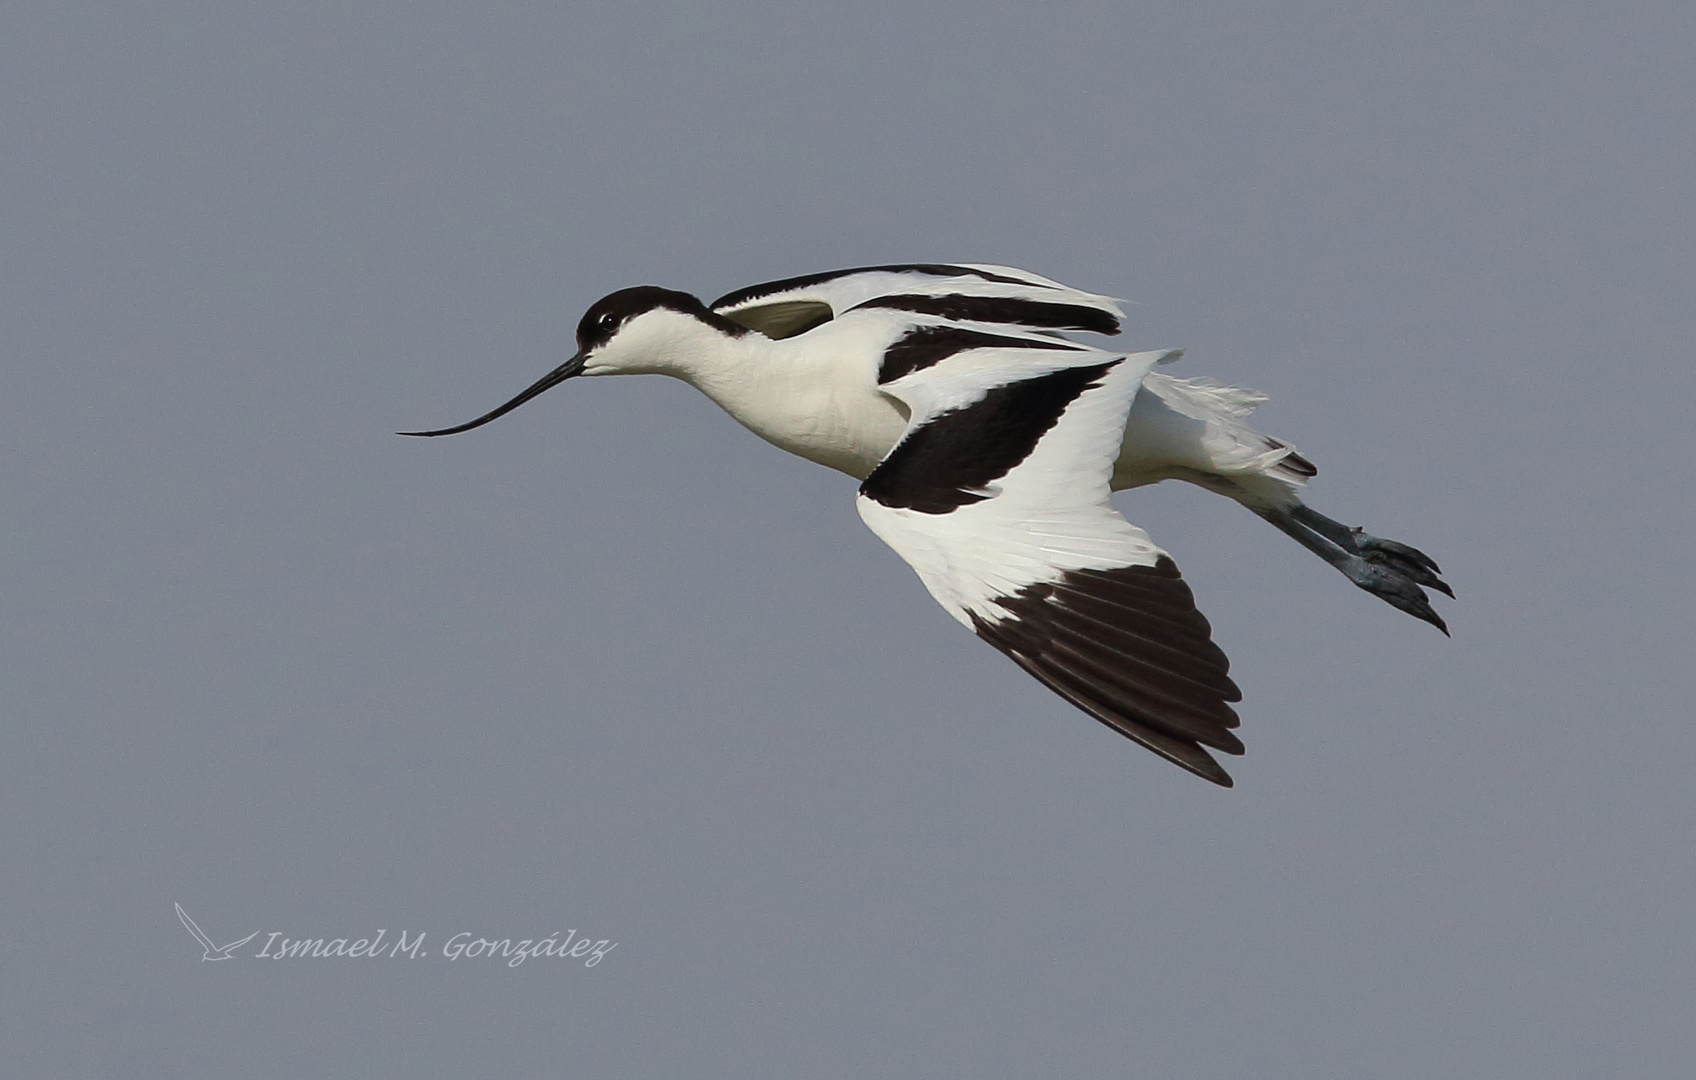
950,461
767,288
1003,309
1128,647
923,346
613,310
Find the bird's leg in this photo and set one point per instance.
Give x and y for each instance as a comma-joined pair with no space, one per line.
1391,571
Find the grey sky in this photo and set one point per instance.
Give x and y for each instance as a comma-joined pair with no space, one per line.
613,664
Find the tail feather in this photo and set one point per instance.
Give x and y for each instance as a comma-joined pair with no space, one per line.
1225,442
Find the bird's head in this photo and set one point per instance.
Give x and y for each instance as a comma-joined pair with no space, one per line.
640,330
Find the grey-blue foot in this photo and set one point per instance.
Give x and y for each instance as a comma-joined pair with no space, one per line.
1395,580
1392,571
1407,560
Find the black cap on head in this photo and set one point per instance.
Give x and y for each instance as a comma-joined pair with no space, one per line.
613,310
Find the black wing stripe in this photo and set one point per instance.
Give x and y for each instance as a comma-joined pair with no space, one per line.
767,288
1002,309
950,461
925,346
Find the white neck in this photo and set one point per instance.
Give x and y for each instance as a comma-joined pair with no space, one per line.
814,402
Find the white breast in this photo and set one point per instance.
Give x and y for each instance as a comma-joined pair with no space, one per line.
816,397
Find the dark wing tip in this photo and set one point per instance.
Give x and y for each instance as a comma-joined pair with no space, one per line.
1184,753
1127,647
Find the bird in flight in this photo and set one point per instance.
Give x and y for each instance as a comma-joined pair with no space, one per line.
987,441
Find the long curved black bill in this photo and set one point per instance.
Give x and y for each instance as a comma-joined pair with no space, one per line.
551,379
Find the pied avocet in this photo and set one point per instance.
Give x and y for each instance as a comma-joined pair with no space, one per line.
987,444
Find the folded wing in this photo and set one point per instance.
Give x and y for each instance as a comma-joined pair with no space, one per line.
998,497
977,293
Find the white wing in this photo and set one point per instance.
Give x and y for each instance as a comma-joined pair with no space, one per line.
967,292
997,494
